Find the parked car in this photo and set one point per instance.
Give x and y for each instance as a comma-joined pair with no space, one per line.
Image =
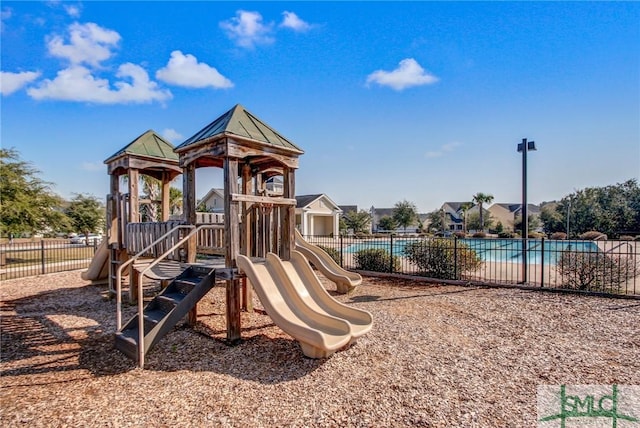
91,239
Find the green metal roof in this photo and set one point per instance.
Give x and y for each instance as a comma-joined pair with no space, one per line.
148,144
238,121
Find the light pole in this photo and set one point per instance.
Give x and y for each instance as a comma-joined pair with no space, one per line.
525,147
568,214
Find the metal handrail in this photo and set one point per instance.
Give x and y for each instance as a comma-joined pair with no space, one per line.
131,260
141,291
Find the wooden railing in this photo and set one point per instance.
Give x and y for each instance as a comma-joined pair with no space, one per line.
140,236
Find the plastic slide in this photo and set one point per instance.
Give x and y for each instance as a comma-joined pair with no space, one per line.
99,267
304,281
319,334
345,280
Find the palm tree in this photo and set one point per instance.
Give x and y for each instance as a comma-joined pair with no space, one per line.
480,199
464,207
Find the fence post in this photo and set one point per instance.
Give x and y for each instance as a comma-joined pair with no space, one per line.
455,257
391,253
542,263
42,256
341,251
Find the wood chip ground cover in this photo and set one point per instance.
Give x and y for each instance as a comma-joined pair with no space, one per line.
437,356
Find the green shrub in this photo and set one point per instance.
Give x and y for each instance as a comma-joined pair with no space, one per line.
593,235
438,258
558,235
333,253
595,271
376,260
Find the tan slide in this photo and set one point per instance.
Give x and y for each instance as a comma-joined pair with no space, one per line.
319,335
344,279
99,267
306,284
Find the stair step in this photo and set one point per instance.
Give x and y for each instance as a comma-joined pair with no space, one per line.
166,302
126,344
186,285
155,315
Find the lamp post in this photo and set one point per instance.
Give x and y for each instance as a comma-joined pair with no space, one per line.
525,147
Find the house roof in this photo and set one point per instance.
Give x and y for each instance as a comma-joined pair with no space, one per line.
241,123
306,200
149,144
348,208
514,208
210,193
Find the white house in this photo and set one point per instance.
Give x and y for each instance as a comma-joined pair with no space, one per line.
213,201
317,215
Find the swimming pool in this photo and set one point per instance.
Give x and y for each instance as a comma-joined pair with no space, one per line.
494,250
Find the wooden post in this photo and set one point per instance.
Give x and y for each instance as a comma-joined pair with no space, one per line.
232,229
166,186
245,239
189,213
288,215
134,196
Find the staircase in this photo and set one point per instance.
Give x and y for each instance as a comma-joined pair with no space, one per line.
166,310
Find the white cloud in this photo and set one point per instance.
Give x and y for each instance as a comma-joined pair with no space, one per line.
92,166
247,29
172,135
72,10
292,21
76,83
88,43
445,148
185,70
409,73
12,82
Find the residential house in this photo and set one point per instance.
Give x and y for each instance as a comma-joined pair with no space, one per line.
508,213
317,215
212,202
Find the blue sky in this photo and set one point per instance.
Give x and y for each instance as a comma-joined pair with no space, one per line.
423,101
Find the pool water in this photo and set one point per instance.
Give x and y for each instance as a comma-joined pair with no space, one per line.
495,250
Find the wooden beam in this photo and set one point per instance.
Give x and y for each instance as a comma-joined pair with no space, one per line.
134,194
288,215
236,197
166,186
232,229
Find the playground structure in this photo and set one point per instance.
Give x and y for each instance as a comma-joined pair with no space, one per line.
255,226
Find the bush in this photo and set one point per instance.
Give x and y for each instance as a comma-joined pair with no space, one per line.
506,235
480,235
558,236
459,234
437,258
536,235
593,235
595,271
333,253
376,260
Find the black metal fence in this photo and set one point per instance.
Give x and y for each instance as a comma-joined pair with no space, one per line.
610,267
20,259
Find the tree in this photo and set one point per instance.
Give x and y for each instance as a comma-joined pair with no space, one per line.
465,207
86,213
552,220
387,223
612,210
435,220
358,221
175,201
405,214
27,203
151,188
480,199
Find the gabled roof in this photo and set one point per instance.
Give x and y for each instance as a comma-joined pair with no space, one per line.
149,144
241,123
515,208
210,193
306,200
